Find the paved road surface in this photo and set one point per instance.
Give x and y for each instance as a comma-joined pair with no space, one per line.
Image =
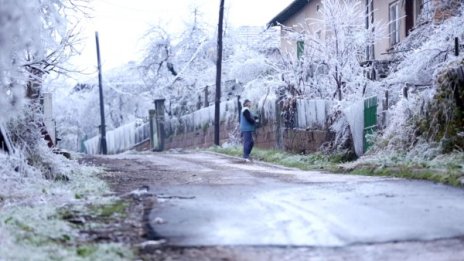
211,200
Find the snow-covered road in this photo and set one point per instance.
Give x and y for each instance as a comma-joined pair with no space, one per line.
205,199
261,204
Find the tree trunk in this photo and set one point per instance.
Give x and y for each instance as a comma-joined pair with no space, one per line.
339,83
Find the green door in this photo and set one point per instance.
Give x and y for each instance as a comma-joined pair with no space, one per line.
370,120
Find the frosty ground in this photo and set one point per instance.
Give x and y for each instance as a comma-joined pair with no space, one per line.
210,207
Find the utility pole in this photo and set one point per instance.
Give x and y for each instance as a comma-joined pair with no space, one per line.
102,105
217,102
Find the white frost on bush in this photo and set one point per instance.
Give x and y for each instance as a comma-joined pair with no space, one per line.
432,49
249,69
20,28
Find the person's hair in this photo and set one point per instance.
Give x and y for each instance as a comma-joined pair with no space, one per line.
246,102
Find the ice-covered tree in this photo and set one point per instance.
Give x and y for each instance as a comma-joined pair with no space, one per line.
35,39
177,68
157,65
126,100
330,62
421,87
253,60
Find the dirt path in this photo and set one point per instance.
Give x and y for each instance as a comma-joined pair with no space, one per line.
211,207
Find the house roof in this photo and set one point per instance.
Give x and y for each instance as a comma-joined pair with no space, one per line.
288,12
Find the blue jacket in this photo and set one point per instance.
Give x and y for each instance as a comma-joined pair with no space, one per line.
247,122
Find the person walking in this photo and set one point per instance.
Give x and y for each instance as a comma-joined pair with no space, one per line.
247,128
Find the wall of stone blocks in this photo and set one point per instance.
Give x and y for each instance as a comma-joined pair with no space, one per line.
266,137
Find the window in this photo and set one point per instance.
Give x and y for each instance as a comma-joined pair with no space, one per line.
418,6
370,51
369,13
299,49
394,22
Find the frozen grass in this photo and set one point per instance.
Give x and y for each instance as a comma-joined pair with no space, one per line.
305,162
31,224
446,169
38,233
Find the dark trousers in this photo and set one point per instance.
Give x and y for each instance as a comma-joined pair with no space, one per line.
247,143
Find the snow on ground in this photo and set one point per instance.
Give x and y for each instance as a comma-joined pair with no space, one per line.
292,207
30,225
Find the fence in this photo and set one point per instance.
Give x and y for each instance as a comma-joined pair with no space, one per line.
362,118
200,119
129,135
120,139
195,129
312,113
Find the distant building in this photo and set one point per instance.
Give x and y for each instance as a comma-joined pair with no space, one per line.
257,36
401,17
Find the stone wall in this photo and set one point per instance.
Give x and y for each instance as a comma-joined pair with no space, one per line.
271,135
200,138
304,141
142,146
266,137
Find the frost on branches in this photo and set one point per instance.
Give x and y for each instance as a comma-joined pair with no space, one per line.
329,66
35,40
178,68
35,182
20,33
424,79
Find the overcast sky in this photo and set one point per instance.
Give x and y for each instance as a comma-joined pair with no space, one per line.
121,23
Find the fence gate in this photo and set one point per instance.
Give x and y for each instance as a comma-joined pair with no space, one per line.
370,120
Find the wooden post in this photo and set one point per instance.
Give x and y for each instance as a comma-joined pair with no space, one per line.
217,103
239,107
159,117
386,100
456,46
385,109
104,150
199,102
278,124
206,97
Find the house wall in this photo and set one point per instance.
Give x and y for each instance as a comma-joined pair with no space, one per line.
381,15
300,23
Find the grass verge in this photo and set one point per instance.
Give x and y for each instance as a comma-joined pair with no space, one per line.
315,161
447,169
